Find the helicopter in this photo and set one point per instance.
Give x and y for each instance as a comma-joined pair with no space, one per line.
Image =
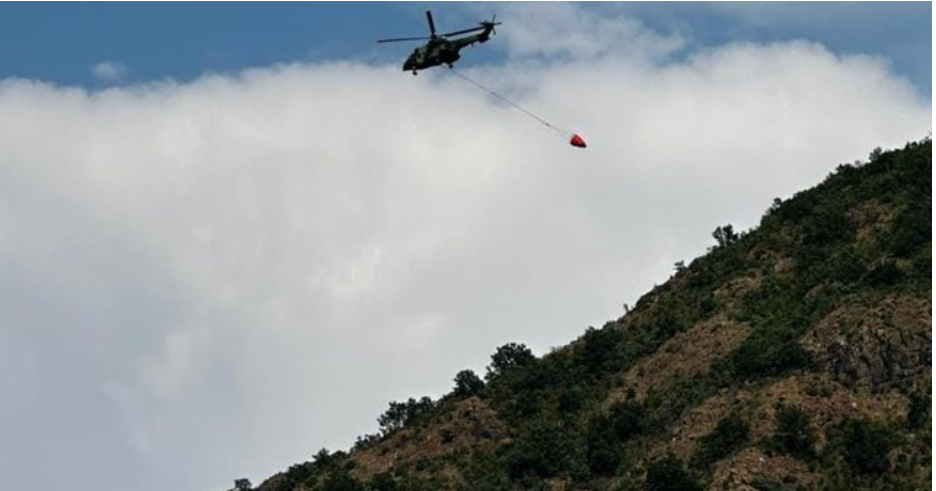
440,49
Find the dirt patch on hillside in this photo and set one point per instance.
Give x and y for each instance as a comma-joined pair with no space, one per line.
471,426
687,354
747,467
698,422
826,401
733,292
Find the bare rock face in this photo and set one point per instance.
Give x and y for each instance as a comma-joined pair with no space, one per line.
875,346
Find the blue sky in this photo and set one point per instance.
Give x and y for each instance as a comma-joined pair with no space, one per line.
60,42
209,277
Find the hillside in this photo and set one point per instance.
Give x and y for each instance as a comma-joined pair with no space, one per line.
794,356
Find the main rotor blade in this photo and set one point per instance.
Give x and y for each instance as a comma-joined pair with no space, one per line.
394,40
431,23
463,31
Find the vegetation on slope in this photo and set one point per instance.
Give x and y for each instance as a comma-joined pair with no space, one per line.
793,356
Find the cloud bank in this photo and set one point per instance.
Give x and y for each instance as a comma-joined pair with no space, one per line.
215,279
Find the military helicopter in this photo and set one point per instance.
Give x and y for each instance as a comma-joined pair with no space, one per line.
440,49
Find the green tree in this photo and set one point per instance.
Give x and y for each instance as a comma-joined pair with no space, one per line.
725,235
509,357
323,458
399,414
467,384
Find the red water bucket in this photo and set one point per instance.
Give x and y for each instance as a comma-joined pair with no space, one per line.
577,141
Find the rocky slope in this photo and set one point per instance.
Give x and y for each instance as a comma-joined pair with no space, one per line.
793,356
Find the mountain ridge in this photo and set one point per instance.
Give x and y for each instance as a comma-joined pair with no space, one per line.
793,356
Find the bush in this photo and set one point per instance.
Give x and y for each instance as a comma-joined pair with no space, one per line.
918,414
340,480
767,352
864,445
544,447
603,453
668,474
627,419
794,436
884,273
484,473
913,229
730,433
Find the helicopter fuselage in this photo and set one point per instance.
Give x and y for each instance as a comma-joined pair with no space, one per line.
441,51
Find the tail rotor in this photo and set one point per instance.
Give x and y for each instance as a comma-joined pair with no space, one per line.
491,24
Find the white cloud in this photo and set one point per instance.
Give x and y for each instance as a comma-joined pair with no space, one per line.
109,71
242,269
561,29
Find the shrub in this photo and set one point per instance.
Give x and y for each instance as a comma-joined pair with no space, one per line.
544,447
627,419
918,414
340,480
383,482
884,273
603,453
668,474
863,444
484,473
794,436
765,353
913,229
730,433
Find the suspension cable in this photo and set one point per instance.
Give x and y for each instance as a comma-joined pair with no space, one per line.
562,131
